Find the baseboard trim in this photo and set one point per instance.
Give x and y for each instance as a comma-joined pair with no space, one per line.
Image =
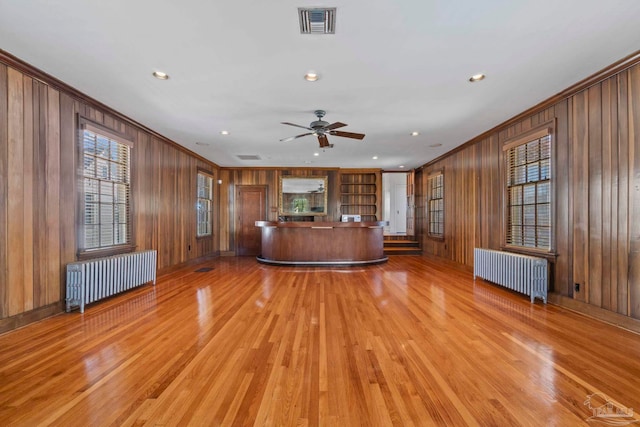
23,319
594,312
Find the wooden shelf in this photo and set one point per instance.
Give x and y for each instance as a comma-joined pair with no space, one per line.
359,194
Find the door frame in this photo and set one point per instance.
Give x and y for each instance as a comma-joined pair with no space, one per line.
389,199
236,216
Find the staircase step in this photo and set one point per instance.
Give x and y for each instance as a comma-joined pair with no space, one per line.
402,247
401,243
400,250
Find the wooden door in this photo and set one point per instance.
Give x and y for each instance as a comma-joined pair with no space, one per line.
251,206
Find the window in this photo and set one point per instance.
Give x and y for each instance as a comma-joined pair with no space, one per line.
205,200
529,192
106,189
436,205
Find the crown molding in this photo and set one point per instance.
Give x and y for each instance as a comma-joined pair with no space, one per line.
47,79
613,69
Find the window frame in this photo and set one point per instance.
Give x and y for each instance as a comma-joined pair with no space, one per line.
84,253
545,130
209,175
433,176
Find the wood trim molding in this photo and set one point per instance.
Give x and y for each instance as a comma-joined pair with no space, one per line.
361,170
19,320
49,80
275,168
431,175
544,129
594,312
85,123
435,172
615,68
84,255
209,172
539,132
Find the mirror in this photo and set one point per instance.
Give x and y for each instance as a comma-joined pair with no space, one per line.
303,195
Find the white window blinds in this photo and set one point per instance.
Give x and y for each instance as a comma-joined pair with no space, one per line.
106,190
529,194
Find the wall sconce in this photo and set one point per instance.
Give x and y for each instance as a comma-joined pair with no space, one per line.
219,181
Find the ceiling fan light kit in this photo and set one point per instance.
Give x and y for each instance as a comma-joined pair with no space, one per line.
321,129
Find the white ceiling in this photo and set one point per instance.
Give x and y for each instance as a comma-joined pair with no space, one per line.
392,67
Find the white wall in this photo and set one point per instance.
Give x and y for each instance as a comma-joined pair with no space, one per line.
394,197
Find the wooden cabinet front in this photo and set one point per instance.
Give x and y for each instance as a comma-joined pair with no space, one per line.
322,243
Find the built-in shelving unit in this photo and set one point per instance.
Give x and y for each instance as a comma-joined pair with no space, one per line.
360,193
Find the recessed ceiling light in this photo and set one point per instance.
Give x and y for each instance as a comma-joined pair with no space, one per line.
311,76
401,166
160,75
375,157
415,133
316,154
477,78
435,145
224,132
307,162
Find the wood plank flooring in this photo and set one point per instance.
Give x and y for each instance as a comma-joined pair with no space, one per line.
410,342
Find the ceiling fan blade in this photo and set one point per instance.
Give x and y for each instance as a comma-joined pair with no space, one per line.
335,125
293,124
347,134
291,138
324,142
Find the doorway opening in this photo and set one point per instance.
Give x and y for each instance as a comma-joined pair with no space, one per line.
394,196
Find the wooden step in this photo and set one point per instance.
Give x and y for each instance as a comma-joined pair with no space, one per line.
402,247
402,251
401,243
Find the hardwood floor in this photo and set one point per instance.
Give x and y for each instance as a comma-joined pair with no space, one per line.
409,342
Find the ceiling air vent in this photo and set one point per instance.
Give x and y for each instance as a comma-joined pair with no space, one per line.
248,157
317,20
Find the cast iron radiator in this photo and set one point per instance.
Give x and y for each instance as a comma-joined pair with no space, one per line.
521,273
90,281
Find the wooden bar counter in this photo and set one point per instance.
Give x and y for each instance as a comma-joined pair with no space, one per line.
322,243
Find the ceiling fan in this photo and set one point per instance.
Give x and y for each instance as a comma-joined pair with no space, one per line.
321,129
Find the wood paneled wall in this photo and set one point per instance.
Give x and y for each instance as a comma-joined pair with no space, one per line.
38,132
270,177
596,184
597,195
